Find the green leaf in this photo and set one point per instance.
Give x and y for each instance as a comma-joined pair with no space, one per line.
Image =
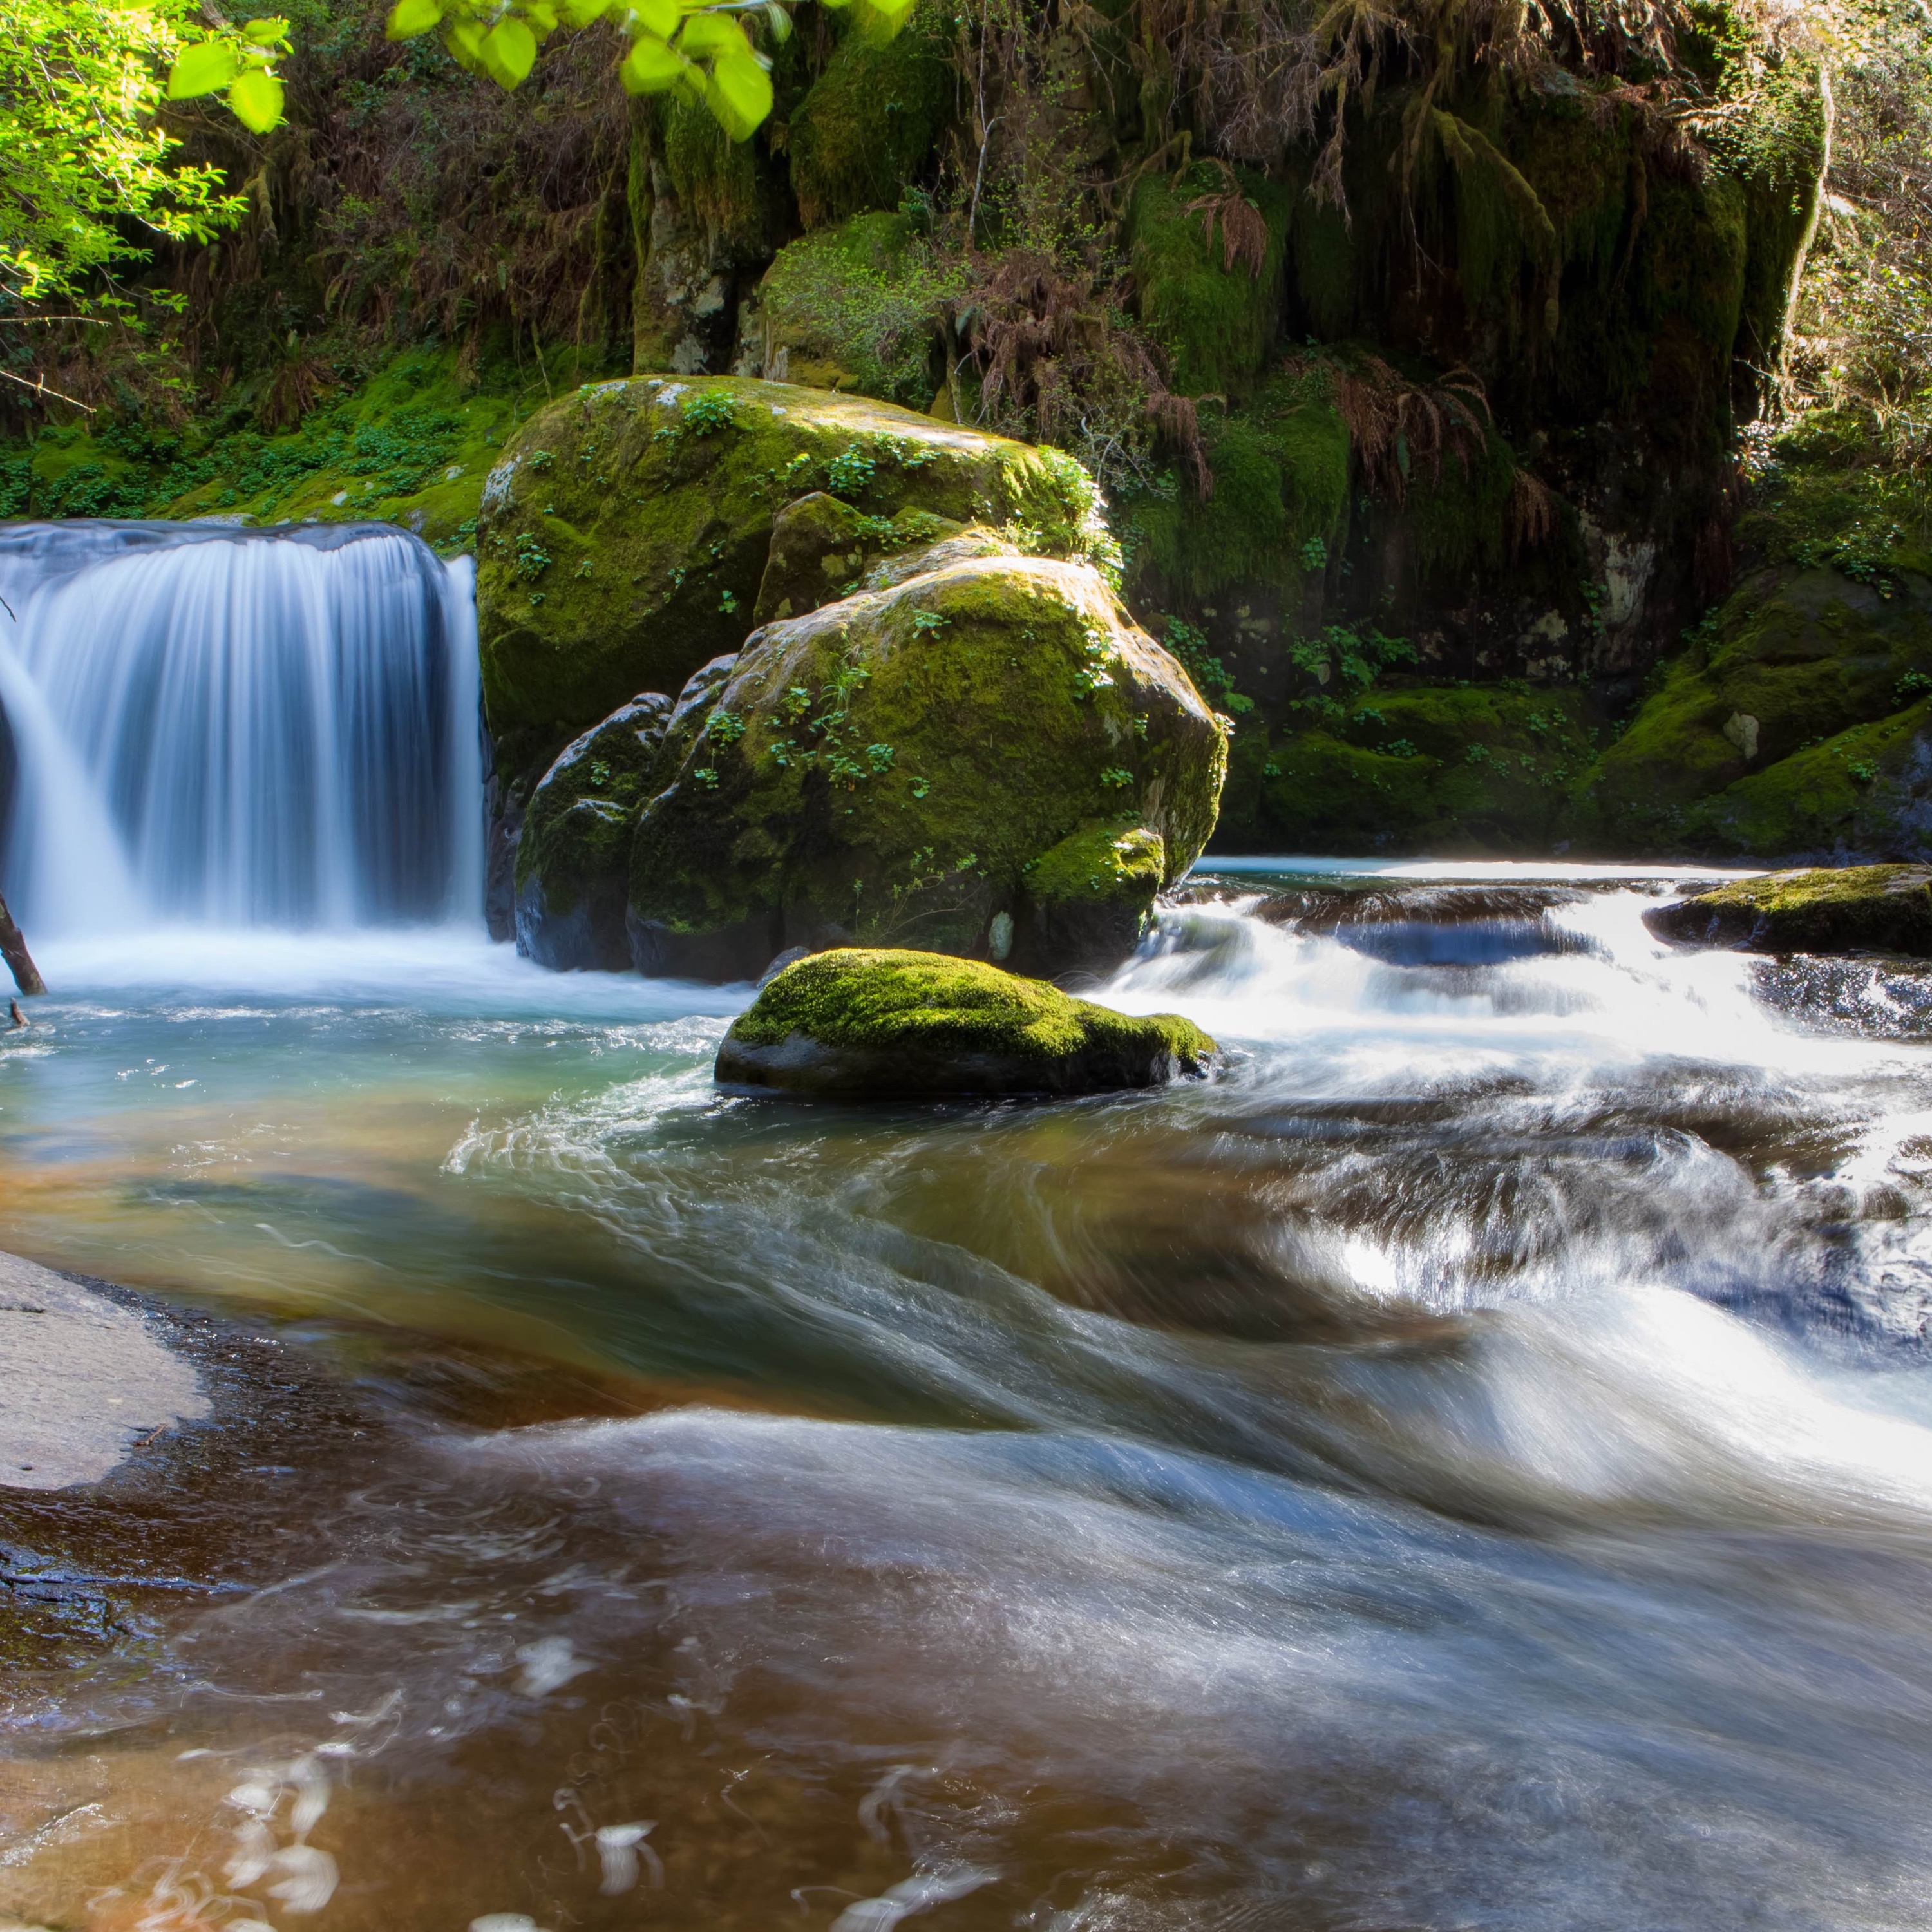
257,99
464,40
266,33
509,52
202,68
660,17
542,16
779,22
651,66
740,93
409,18
710,34
581,12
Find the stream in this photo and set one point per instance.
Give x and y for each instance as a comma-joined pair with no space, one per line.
1469,1464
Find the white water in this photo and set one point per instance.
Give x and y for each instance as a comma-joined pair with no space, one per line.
236,729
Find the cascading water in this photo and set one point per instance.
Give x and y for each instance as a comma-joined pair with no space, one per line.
215,726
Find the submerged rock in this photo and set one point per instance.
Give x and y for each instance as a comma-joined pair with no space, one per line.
1859,909
575,841
987,758
625,536
877,1024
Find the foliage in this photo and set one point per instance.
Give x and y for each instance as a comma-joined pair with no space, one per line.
240,65
83,149
703,51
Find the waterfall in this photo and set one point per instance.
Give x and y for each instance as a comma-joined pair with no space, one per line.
201,725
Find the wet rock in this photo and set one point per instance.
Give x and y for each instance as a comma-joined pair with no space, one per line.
855,1024
988,759
1856,909
574,847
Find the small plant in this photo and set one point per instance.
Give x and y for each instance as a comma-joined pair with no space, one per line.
1400,748
707,776
728,603
879,758
727,727
600,772
925,622
851,471
540,459
1860,771
1314,555
532,559
1476,755
708,411
1911,687
1117,775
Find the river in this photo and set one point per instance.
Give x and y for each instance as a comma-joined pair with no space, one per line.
1466,1465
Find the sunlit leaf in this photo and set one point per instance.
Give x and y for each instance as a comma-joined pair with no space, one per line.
660,17
740,93
509,52
779,21
464,40
541,17
408,18
266,33
651,66
710,34
256,98
202,68
581,12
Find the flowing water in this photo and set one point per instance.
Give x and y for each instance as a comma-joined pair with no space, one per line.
1466,1465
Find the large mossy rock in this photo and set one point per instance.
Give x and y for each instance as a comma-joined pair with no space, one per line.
987,758
1859,909
576,840
862,1024
625,535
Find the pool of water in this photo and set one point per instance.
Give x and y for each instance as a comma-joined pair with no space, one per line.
1466,1465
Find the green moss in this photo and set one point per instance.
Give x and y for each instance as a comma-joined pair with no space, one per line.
1216,321
1099,863
857,307
1745,743
1281,484
577,829
1416,768
388,450
623,540
720,185
900,764
1857,909
853,996
866,130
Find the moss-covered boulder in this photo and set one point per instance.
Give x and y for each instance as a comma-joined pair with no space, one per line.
1858,909
988,758
574,852
624,536
861,1024
822,549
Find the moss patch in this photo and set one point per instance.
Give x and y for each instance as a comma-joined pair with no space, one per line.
1860,909
867,129
899,1022
411,446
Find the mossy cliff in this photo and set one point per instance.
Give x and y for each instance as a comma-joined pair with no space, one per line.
624,534
987,758
858,1024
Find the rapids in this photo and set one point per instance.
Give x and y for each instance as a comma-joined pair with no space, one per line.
1465,1466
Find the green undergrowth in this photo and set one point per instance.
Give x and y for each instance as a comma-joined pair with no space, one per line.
857,997
411,446
1414,767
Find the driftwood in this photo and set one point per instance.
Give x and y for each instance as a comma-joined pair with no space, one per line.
20,961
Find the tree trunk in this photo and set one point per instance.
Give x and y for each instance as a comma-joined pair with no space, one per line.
20,961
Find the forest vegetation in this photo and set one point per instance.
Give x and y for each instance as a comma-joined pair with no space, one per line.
1518,417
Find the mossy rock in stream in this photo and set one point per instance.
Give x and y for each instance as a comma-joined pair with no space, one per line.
865,1024
625,535
1857,909
576,840
987,758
